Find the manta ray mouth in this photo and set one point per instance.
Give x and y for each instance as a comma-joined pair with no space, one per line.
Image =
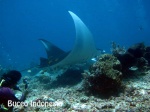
83,50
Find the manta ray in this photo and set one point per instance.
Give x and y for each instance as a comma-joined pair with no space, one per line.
84,48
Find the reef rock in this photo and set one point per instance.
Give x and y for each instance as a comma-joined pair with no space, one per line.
137,56
104,76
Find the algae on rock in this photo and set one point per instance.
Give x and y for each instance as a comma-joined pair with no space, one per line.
104,77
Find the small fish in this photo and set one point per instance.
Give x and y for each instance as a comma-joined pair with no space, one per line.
102,51
29,71
94,59
133,68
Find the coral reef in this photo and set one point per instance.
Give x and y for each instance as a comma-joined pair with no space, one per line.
70,77
43,77
116,49
104,76
135,60
68,99
147,54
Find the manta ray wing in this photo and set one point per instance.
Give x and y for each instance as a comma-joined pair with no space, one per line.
54,54
84,47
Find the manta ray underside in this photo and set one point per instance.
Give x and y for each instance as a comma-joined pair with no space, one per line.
84,48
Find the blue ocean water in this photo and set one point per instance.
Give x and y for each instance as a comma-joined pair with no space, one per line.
23,22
